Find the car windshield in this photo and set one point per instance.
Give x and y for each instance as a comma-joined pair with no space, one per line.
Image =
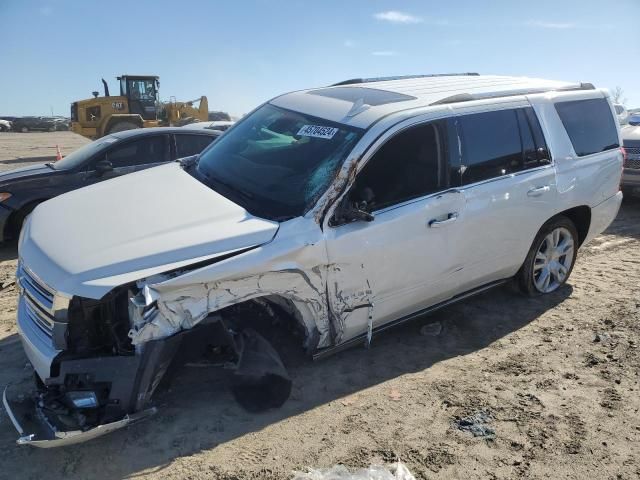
78,157
276,163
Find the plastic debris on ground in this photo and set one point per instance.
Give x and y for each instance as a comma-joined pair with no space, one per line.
395,471
477,424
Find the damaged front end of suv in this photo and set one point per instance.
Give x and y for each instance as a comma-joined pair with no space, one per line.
106,357
202,258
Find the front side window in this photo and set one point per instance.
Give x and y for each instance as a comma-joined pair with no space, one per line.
276,163
589,124
79,158
410,165
139,152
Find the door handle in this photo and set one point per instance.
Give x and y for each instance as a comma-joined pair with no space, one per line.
536,192
451,217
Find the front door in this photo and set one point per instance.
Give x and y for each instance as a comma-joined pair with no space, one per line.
129,156
405,258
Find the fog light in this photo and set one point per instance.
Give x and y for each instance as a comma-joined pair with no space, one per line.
83,399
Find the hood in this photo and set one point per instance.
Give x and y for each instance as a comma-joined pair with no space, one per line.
631,134
88,241
24,173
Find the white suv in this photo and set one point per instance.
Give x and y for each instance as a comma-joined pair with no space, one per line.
337,212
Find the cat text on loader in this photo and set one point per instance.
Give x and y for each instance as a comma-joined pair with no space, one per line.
137,106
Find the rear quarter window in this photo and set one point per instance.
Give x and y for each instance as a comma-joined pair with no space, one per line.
589,124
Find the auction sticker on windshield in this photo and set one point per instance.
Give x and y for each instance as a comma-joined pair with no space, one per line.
317,131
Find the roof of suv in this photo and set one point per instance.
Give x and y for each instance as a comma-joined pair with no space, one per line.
362,102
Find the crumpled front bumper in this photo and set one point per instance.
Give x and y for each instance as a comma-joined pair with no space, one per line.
34,428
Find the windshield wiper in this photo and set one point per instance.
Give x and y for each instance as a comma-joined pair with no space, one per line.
226,186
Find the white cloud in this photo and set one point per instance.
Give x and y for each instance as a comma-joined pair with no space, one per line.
394,16
349,43
553,25
384,53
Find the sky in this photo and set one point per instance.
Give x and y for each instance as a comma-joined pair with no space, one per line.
241,53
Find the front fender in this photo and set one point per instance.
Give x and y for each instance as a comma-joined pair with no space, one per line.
293,266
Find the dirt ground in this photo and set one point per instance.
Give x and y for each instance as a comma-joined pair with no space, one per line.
511,387
17,149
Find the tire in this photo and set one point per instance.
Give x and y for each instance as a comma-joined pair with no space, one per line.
24,129
122,126
551,258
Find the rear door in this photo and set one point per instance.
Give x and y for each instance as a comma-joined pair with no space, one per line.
509,184
188,144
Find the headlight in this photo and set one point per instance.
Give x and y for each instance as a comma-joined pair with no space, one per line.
4,196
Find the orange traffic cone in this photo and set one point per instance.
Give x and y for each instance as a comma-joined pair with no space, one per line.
58,154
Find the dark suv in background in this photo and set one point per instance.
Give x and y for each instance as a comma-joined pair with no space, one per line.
21,190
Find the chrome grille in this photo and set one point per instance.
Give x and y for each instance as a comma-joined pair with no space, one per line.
633,158
38,300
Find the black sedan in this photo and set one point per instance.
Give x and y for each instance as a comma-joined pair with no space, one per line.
21,190
37,124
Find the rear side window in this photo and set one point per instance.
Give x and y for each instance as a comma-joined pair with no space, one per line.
140,152
589,124
187,145
498,143
490,145
534,148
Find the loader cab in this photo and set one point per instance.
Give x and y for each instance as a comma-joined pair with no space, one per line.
142,94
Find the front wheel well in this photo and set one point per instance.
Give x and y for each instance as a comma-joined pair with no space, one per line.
275,317
581,218
14,222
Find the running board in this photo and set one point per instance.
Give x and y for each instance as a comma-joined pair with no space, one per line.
361,339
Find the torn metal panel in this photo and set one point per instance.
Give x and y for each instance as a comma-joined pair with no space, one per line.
294,268
185,307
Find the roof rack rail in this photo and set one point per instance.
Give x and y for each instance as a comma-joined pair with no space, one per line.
467,97
353,81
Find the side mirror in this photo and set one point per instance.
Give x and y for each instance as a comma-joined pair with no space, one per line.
103,166
543,154
349,213
357,214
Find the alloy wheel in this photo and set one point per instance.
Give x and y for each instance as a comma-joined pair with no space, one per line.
553,260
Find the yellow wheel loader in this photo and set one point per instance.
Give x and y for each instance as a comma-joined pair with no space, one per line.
137,106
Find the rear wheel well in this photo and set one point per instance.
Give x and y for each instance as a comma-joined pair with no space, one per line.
581,218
